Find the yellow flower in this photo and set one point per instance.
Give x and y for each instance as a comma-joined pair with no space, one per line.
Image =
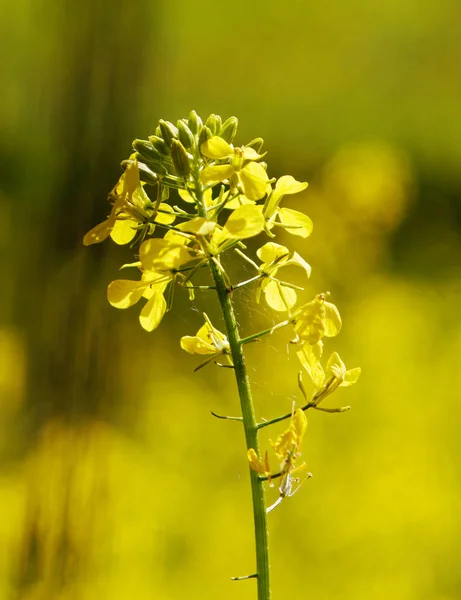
256,464
208,340
336,376
275,256
239,167
131,208
317,319
159,261
295,222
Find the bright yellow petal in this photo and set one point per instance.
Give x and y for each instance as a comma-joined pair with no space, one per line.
237,202
198,226
278,297
99,233
310,321
254,180
184,195
216,173
295,222
245,222
196,345
332,320
164,217
123,232
284,444
216,147
299,261
288,185
162,255
309,356
153,312
351,376
130,178
271,251
123,293
250,153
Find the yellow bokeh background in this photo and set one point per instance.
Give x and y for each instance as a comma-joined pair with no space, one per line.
115,480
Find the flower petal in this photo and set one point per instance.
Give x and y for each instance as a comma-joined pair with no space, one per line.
216,147
162,255
164,217
299,424
279,297
245,222
196,345
198,226
296,222
309,356
271,251
288,185
256,463
153,312
299,261
123,293
216,173
254,179
351,376
332,320
99,233
123,231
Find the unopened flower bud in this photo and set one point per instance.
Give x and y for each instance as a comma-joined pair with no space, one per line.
195,122
186,137
169,132
205,135
180,158
257,144
146,175
147,150
159,144
229,129
213,123
154,165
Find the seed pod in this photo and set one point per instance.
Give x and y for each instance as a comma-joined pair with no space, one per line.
180,159
186,137
257,144
147,150
169,132
229,129
154,165
205,135
195,122
212,123
159,144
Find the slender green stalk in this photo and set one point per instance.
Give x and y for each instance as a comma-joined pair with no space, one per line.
248,415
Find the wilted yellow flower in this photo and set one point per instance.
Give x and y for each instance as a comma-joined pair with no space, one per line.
294,221
274,257
263,468
336,375
317,319
159,261
239,167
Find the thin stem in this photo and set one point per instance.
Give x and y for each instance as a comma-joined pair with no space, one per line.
248,414
283,417
260,334
248,281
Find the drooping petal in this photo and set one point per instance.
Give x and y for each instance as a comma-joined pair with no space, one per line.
216,173
296,223
310,321
284,444
335,366
271,251
299,425
99,233
123,293
351,376
309,356
278,297
254,180
216,147
256,463
153,312
299,261
332,320
123,231
245,222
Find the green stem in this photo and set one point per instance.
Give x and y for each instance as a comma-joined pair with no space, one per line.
248,414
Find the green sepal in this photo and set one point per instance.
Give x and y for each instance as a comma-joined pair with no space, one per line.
205,135
154,165
158,144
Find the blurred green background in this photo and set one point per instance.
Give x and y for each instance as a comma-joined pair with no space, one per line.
115,481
